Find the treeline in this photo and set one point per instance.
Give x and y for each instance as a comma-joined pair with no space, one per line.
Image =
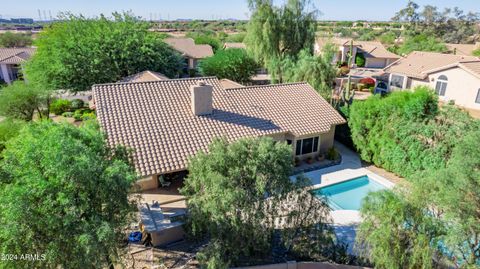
202,25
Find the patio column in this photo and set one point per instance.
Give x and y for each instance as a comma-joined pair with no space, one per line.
5,74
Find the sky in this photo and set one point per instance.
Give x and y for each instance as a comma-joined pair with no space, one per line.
378,10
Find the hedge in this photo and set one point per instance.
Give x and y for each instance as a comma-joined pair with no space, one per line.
406,132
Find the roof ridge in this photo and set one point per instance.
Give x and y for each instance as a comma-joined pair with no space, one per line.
140,82
269,85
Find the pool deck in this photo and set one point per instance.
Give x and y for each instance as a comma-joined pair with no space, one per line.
345,222
349,168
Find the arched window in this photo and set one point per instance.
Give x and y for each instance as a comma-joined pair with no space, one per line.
477,100
441,86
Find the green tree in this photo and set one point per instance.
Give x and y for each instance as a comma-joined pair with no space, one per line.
9,128
275,33
12,40
239,193
22,101
421,42
318,71
396,233
233,64
408,14
360,60
207,39
64,194
454,192
388,38
435,221
78,52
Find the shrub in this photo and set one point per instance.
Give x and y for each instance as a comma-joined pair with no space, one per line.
233,64
78,115
332,154
88,116
343,71
59,106
77,104
360,60
368,81
67,114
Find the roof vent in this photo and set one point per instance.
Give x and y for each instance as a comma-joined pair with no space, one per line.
201,95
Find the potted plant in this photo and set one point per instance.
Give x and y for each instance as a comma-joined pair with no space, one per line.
297,161
320,157
309,160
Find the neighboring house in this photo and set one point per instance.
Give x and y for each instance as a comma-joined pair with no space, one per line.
463,49
11,60
190,51
231,45
167,122
454,77
376,55
229,84
145,76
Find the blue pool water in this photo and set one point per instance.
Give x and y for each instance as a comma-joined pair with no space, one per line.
348,195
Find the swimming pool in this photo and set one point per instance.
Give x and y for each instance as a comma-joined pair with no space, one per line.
348,195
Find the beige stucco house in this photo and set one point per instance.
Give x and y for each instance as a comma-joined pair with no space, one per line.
190,51
166,122
11,60
376,55
455,78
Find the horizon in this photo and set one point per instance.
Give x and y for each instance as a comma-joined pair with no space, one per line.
215,9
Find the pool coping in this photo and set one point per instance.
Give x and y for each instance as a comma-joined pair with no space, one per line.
349,174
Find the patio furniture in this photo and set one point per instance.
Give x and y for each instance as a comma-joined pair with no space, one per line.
163,182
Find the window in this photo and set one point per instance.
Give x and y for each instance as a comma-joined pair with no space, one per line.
289,142
298,150
477,100
306,146
397,81
441,86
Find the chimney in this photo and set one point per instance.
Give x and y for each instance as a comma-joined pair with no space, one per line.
201,99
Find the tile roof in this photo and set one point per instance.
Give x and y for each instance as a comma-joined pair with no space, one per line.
144,77
232,45
463,49
156,120
419,64
230,84
15,55
373,49
188,47
473,67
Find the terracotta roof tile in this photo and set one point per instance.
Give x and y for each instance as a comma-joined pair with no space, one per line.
419,64
145,76
15,55
188,47
155,118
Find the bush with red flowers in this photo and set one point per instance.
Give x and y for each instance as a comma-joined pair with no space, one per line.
368,81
